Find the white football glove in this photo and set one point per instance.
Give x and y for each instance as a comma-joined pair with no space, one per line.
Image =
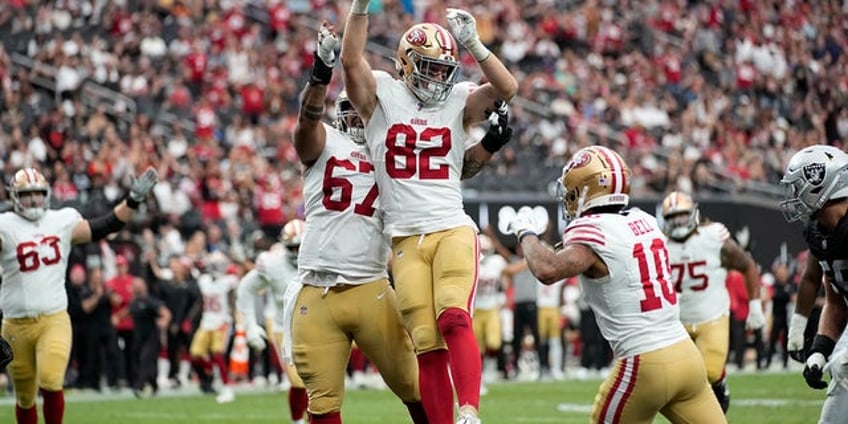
756,318
140,187
528,220
795,339
326,48
256,336
463,26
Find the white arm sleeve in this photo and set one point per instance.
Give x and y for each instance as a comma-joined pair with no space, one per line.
246,292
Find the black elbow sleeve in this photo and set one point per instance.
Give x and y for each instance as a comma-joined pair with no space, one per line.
105,225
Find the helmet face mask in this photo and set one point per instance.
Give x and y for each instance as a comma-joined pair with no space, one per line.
680,215
348,120
30,193
292,236
427,62
594,177
815,175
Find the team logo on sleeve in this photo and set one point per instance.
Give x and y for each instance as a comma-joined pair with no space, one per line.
814,173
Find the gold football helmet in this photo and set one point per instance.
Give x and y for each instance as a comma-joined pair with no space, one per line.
595,176
29,206
348,120
427,60
291,236
680,215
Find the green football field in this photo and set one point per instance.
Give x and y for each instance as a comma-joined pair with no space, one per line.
756,398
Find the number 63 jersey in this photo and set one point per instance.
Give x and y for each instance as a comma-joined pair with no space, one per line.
34,257
698,275
635,305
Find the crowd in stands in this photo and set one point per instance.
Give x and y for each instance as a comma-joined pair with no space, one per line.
700,96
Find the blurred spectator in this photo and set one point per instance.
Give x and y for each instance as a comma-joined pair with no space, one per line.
150,317
120,288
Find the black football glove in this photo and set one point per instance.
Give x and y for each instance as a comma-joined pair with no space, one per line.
499,131
6,354
816,358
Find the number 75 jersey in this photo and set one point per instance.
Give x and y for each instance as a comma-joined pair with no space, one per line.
635,305
698,276
34,258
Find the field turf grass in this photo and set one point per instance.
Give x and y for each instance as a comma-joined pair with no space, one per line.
756,398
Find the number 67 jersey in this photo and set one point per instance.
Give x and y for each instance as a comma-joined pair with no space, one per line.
635,305
34,257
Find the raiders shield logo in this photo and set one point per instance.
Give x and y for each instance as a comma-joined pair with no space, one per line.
814,173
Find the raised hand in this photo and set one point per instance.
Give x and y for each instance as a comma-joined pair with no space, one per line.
140,187
463,26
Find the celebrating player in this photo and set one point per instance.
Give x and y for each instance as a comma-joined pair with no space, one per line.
415,130
622,260
35,243
700,255
343,293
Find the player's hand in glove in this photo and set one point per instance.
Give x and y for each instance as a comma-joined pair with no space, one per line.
814,371
140,187
795,338
528,221
325,56
756,318
6,354
463,26
499,131
256,336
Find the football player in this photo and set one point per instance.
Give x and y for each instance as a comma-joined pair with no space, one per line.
210,340
700,255
415,130
35,243
274,270
621,257
342,292
816,187
487,304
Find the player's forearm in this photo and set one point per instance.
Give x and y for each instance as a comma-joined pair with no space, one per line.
246,293
806,299
475,158
499,76
354,40
752,282
833,318
541,260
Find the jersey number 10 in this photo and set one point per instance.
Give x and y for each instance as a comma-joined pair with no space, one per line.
659,260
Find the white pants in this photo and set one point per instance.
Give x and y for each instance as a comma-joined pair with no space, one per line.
835,407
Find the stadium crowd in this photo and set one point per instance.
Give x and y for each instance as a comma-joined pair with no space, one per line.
702,97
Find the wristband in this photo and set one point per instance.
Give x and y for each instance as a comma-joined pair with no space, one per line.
479,51
822,344
132,203
524,233
321,74
359,7
492,143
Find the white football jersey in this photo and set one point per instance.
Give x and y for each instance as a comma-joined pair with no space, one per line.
343,235
272,272
34,258
489,281
549,296
635,305
698,276
216,305
418,154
